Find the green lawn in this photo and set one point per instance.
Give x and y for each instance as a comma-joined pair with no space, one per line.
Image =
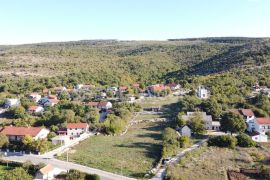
136,152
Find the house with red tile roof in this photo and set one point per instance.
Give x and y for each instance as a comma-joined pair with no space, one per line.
157,88
35,109
262,125
51,102
76,129
48,172
247,114
101,105
173,86
17,133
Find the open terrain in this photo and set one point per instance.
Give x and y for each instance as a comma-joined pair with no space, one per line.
212,162
133,154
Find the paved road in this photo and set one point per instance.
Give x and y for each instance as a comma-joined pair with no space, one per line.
35,159
162,171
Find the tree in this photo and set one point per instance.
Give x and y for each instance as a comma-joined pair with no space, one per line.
92,116
3,140
170,136
196,124
17,174
68,116
18,112
114,124
211,106
28,142
75,174
232,122
179,119
243,140
223,141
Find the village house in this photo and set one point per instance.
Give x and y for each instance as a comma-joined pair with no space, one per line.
35,110
206,118
35,96
157,88
101,105
123,89
11,102
185,131
262,125
51,102
17,133
173,86
136,86
202,93
48,173
248,116
76,129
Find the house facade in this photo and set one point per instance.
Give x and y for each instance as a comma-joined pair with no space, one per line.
185,131
262,125
76,129
48,173
17,133
35,109
202,93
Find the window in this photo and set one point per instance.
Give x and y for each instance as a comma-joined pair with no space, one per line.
75,128
268,127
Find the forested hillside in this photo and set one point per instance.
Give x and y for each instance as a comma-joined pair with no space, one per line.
107,62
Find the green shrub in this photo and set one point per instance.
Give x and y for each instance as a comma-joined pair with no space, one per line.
244,140
92,177
223,141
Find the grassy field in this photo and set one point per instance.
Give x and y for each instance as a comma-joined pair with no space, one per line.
135,153
212,162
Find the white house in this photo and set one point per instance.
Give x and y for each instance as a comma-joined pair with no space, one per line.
202,93
105,105
11,102
17,133
35,96
35,109
249,117
76,129
262,125
206,118
185,131
61,139
48,173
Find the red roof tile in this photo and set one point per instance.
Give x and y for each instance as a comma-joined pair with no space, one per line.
32,108
93,104
263,120
102,103
247,112
76,125
21,131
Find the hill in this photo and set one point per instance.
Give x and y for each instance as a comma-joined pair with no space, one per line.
109,62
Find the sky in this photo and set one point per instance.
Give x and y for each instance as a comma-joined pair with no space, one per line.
32,21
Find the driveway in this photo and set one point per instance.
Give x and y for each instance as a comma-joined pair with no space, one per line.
161,173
